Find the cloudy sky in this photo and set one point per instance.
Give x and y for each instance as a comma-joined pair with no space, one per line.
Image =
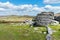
28,7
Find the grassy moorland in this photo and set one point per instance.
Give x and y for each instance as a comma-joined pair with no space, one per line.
15,18
17,31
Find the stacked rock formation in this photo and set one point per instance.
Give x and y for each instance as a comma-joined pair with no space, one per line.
44,18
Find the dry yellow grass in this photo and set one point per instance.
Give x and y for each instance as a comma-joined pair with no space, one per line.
15,18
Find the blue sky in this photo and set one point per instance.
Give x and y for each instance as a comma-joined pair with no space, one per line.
37,2
28,7
21,2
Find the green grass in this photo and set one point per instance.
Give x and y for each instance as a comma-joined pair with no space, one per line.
19,32
24,32
56,35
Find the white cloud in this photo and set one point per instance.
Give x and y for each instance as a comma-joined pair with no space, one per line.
2,9
51,1
26,9
55,9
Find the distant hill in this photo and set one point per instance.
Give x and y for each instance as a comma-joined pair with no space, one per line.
57,17
14,18
57,14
